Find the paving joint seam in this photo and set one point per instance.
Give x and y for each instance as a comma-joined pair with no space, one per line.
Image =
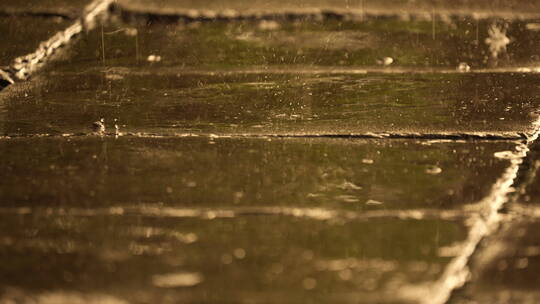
322,214
314,13
417,136
515,214
22,67
488,221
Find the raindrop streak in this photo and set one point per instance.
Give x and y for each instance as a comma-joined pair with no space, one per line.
433,23
102,44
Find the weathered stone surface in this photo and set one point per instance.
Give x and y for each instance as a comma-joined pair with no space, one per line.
170,100
326,220
172,79
143,258
322,173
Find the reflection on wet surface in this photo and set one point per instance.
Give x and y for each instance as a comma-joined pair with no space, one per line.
529,194
164,101
506,271
325,173
505,267
296,78
230,189
297,220
142,259
410,44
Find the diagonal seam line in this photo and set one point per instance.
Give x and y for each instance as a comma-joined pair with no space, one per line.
22,67
456,274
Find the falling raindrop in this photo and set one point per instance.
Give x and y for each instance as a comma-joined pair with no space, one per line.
463,67
153,58
434,170
386,61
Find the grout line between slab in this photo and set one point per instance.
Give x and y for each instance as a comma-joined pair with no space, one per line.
322,214
457,273
464,136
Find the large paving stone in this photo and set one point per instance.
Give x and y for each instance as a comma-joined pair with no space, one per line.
210,81
204,172
143,258
247,220
171,101
413,45
505,266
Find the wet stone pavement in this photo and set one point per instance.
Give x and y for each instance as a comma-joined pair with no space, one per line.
246,152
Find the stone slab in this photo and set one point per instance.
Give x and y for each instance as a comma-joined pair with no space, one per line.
203,219
347,174
177,79
143,258
170,101
390,44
